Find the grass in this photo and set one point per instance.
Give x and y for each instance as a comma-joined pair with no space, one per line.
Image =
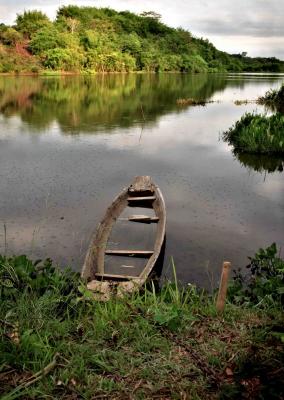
273,99
259,134
164,343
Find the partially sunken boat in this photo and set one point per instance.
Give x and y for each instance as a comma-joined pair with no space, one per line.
128,241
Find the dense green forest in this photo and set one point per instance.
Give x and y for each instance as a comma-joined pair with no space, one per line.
103,40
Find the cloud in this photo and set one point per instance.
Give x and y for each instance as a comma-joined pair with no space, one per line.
229,25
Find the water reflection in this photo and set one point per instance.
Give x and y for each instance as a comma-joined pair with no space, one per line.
90,104
69,144
261,162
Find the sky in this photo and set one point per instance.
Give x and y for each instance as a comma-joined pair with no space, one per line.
254,26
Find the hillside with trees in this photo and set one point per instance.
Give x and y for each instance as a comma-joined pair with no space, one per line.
103,40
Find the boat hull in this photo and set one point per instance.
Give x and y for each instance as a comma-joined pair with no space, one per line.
142,193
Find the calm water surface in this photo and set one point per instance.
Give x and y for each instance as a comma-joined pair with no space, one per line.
69,144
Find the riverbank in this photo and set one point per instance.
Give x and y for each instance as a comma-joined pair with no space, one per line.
56,341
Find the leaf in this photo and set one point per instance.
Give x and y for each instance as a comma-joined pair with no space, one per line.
87,294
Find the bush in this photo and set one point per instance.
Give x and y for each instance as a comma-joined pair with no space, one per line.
18,274
193,63
273,99
265,281
46,39
113,62
10,36
30,22
64,59
255,133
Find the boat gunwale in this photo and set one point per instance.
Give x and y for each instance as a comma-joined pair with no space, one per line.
96,250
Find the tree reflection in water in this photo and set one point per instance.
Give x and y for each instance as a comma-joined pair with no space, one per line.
261,162
87,104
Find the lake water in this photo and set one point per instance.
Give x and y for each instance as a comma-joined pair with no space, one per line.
69,144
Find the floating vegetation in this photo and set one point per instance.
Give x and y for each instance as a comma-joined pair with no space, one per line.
243,102
192,102
255,133
274,99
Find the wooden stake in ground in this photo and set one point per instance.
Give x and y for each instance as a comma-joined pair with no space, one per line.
223,286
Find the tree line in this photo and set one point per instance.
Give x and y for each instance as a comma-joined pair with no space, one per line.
103,40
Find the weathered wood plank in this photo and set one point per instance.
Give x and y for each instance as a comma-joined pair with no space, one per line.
129,252
142,184
115,276
140,218
142,198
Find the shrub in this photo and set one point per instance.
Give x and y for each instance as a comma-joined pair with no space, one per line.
273,99
46,39
31,21
193,63
256,133
10,36
265,281
64,59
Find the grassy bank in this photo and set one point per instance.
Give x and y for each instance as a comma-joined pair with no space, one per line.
57,342
255,133
274,99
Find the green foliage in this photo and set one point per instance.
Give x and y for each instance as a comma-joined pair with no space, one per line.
62,59
194,63
10,36
46,39
257,64
19,274
102,35
30,22
265,281
12,61
255,133
47,314
131,43
273,99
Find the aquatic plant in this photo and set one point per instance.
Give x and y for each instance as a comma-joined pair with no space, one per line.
242,102
255,133
273,99
191,102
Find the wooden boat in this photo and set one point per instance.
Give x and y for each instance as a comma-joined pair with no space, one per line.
141,194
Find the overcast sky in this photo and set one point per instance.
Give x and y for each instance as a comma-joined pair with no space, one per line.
255,26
